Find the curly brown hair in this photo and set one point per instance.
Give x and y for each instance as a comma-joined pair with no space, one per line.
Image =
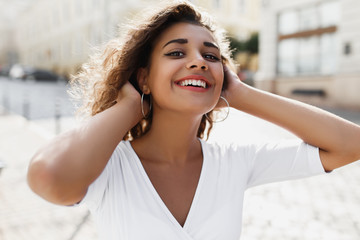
99,81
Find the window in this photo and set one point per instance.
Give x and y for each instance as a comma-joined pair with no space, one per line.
216,4
328,43
307,40
329,14
308,19
242,6
79,8
288,22
287,56
65,11
308,61
96,5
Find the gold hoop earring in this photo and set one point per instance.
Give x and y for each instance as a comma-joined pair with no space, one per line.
226,115
142,106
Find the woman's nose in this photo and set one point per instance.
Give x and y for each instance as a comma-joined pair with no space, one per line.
197,63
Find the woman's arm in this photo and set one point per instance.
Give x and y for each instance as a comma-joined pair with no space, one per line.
62,170
337,138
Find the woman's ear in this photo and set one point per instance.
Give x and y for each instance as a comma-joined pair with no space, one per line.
142,76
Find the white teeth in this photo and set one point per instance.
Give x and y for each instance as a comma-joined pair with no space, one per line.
193,82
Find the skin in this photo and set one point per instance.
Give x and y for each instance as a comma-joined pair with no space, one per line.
170,152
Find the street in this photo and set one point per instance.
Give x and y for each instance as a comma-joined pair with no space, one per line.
34,99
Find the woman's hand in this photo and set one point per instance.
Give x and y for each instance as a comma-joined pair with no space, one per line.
129,93
130,96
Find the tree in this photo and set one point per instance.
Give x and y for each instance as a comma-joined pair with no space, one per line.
250,45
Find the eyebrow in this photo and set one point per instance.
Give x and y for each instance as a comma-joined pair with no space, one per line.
184,41
209,44
179,40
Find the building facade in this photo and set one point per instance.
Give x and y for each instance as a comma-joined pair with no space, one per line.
310,49
8,53
239,17
59,34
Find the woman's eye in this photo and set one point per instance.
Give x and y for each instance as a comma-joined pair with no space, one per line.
175,54
211,57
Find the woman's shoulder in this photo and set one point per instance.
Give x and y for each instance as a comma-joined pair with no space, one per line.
224,148
247,148
123,152
224,145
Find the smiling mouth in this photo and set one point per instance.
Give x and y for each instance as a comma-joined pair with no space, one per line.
193,83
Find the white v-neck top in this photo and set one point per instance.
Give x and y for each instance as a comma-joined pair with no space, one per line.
126,205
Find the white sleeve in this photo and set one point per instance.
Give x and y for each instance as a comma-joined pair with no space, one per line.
282,161
97,190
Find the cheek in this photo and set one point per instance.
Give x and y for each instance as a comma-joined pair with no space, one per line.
155,74
218,74
162,73
159,82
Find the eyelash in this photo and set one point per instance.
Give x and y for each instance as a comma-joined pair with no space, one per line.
213,57
178,54
174,54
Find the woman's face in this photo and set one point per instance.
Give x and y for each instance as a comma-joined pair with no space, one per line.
186,72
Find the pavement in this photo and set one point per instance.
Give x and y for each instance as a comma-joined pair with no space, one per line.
24,215
321,207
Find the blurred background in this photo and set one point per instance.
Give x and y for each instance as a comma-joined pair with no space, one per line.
303,49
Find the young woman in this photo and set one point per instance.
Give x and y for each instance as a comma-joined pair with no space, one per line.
140,162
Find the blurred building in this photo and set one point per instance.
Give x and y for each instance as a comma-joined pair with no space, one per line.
239,17
59,34
8,53
310,49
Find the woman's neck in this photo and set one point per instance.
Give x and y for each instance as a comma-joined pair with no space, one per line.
171,138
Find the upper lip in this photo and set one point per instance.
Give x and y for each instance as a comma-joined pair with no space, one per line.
196,77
